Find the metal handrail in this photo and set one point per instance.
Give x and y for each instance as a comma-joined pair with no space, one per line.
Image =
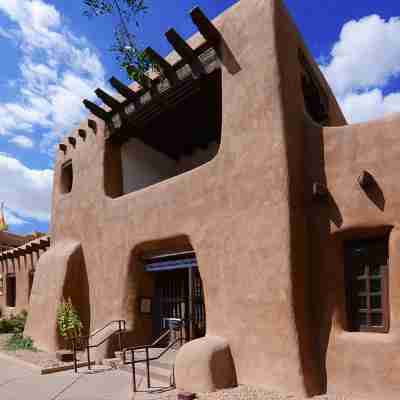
121,328
147,360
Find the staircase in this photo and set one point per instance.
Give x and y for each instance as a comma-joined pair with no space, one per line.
152,366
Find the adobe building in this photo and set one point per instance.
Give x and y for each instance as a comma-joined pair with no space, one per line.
231,192
18,265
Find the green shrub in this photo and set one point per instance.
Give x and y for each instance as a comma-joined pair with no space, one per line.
20,342
69,323
6,326
15,324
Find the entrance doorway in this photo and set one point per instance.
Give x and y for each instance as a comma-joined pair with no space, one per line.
178,293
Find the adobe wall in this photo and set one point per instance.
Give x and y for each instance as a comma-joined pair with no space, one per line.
250,216
363,364
21,265
242,212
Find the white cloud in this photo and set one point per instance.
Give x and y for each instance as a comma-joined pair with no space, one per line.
12,218
50,91
26,192
364,60
22,141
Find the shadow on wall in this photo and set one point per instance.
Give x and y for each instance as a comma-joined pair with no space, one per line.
141,284
76,287
320,213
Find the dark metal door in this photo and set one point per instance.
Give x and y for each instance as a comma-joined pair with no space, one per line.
171,298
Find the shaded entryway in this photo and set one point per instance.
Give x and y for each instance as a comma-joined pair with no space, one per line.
164,282
178,291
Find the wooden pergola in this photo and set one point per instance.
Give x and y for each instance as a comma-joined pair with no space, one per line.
180,95
34,246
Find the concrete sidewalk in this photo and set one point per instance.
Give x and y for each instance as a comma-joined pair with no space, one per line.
19,382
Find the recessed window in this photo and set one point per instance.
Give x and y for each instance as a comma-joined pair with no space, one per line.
11,290
172,134
367,286
315,99
67,177
30,282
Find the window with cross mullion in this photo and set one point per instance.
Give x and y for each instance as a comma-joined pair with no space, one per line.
366,271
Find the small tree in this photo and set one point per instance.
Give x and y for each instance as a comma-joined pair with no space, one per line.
128,53
69,323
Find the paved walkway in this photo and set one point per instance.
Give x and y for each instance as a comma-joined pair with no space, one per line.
20,382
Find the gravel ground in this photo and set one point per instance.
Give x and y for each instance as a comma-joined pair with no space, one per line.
244,392
39,358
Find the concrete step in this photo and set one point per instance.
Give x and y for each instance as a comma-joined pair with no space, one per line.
112,362
158,371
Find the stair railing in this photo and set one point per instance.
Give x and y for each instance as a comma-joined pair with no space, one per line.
119,332
179,325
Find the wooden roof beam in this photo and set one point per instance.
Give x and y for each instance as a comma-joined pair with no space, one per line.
62,147
96,110
167,68
82,133
205,26
146,82
125,91
92,124
185,51
72,141
115,105
45,242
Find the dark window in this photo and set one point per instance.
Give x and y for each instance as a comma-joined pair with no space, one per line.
11,289
315,99
31,276
367,285
67,177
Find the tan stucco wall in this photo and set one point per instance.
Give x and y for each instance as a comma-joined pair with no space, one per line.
364,364
236,211
21,266
268,253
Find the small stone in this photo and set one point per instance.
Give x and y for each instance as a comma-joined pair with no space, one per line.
185,396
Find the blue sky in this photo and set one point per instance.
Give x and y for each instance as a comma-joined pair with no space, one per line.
53,55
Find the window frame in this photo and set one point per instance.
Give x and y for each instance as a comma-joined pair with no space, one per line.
371,259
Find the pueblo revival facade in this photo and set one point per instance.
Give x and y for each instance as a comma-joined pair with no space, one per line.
18,261
229,191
